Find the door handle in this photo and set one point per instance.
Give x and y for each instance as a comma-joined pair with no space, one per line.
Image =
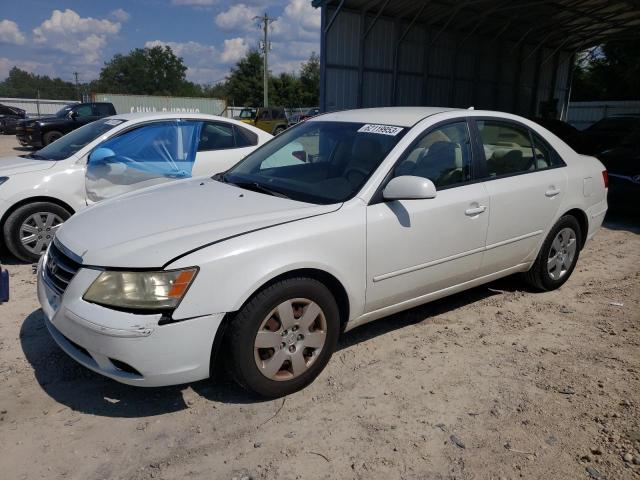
472,212
552,192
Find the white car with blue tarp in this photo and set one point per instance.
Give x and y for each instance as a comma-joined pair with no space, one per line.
109,157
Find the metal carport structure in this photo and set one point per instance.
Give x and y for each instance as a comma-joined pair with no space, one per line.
510,55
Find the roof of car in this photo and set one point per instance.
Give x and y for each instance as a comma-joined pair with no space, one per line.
163,115
399,116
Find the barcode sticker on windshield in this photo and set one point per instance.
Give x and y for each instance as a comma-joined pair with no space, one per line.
113,122
380,129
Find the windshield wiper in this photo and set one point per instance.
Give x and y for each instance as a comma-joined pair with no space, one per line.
257,187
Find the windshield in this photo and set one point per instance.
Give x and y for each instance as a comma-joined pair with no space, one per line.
72,142
317,162
63,111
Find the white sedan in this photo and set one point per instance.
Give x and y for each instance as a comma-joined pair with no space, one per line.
109,157
341,220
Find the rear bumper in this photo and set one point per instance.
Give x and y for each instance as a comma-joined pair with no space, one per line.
596,214
126,347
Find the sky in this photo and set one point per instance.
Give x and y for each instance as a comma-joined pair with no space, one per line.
58,37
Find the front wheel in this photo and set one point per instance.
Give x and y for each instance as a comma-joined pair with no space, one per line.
30,228
283,337
558,256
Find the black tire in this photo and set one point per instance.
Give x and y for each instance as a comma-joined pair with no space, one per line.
538,275
279,130
242,332
51,136
11,227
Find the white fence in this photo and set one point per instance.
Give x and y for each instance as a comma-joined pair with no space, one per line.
583,114
36,106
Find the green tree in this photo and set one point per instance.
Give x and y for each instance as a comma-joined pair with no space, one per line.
146,71
608,72
310,81
285,90
244,84
22,84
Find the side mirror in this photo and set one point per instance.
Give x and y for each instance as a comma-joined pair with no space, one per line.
73,114
100,153
408,187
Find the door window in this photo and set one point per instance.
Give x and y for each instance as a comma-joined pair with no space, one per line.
144,156
507,148
84,111
216,136
265,115
442,155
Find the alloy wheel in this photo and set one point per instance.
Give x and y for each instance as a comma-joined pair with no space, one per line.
561,253
37,231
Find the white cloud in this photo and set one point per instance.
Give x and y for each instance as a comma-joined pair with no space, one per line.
120,15
10,33
70,33
239,18
234,50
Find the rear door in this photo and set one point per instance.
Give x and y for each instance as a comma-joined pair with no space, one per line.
525,181
221,145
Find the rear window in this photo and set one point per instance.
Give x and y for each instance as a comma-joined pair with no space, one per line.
244,137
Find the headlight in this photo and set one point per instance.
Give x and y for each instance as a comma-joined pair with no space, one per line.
161,290
3,179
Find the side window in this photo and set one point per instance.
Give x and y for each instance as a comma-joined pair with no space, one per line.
84,111
101,110
442,155
216,136
265,115
162,148
245,138
507,148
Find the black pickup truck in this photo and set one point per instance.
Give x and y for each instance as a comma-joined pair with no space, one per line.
39,132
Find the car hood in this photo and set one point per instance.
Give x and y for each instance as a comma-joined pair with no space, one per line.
150,227
15,165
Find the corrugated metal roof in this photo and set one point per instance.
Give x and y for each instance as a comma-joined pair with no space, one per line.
566,24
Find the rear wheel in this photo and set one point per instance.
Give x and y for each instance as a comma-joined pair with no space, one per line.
558,256
50,137
283,337
278,130
30,228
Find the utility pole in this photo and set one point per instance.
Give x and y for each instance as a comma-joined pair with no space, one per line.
265,46
75,74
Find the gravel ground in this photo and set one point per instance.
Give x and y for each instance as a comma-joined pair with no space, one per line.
496,382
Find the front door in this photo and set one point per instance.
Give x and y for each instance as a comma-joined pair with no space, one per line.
150,154
416,247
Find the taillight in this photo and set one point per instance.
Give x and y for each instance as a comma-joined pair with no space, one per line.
605,177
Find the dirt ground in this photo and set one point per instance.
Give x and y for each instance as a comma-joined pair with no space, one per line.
497,382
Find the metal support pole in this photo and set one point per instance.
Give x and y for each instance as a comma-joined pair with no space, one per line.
323,59
396,52
265,20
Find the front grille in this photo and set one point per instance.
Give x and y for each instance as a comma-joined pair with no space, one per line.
59,269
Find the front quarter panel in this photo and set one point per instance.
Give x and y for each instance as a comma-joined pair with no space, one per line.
232,270
64,182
